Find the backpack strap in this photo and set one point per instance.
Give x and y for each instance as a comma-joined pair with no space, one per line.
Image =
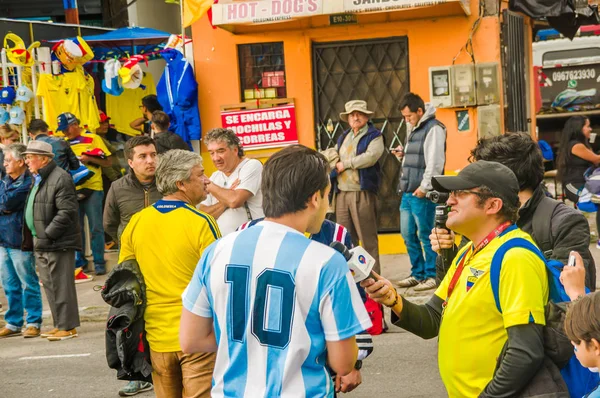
496,265
542,234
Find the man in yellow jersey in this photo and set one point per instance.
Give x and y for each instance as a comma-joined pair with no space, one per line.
472,330
167,240
92,152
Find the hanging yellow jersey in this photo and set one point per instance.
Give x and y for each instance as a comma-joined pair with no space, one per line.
70,92
90,116
48,90
125,108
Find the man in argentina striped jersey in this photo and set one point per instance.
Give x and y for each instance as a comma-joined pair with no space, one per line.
279,306
334,232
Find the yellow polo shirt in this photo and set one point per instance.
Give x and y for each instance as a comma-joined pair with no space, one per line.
167,239
473,331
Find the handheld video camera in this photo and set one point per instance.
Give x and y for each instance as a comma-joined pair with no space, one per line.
441,216
441,211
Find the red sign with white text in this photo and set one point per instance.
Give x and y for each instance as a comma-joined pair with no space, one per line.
263,128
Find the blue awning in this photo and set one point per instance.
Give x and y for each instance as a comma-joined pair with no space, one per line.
129,34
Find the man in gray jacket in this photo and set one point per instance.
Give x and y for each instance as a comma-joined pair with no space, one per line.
423,157
51,214
136,190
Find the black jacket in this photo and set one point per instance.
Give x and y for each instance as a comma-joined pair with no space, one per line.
56,211
63,154
127,349
569,230
168,140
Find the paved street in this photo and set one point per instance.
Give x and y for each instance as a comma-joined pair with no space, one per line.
402,365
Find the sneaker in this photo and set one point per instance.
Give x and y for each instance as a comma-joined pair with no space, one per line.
408,282
63,335
99,271
597,247
111,247
31,332
6,332
427,284
135,387
82,277
49,333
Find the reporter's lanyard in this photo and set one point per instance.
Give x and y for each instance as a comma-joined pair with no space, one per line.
459,269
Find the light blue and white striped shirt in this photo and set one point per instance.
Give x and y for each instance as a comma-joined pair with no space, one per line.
275,298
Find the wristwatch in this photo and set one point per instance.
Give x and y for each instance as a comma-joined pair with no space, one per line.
358,365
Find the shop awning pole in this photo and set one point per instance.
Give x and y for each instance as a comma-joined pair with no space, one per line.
182,25
4,69
36,104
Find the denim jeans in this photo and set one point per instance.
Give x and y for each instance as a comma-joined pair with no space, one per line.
416,222
22,288
92,208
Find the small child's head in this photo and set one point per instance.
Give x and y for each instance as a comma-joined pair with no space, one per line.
582,326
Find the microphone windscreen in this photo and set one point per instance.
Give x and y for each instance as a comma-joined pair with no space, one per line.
340,247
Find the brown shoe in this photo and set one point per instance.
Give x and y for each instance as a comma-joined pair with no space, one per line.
6,332
63,335
31,332
49,333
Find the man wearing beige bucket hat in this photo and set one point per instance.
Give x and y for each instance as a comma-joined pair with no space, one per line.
358,177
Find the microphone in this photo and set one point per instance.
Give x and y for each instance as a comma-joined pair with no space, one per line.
359,261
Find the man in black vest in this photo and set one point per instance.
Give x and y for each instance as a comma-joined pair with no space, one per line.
359,149
423,157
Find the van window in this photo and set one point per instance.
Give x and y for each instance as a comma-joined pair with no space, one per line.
571,54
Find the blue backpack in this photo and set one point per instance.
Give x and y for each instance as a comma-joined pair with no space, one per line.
546,149
579,380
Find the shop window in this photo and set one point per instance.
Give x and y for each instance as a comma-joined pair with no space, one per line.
262,71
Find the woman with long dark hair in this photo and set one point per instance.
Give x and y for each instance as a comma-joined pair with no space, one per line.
575,157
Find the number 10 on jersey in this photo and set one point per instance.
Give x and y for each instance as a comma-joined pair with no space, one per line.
273,310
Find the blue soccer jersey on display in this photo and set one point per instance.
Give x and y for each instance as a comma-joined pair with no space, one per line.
275,297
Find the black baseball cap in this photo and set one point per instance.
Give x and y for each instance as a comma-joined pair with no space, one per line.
497,177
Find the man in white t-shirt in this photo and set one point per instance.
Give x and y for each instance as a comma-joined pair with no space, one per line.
234,196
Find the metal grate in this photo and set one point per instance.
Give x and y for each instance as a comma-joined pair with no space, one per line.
513,62
375,71
258,58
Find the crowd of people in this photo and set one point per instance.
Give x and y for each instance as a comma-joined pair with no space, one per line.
241,293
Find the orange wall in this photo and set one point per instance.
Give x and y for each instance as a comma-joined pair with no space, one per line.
433,41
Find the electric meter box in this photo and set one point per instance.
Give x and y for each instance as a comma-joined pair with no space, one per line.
463,85
440,90
488,121
488,83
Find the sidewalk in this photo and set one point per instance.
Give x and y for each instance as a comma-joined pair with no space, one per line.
93,309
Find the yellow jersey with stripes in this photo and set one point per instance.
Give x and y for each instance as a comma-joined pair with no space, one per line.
167,239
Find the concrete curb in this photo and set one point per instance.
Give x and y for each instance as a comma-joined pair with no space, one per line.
86,314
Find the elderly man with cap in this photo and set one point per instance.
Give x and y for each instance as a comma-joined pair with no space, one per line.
94,154
51,216
484,349
359,148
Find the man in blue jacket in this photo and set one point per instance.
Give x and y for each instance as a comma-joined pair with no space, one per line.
359,149
19,280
